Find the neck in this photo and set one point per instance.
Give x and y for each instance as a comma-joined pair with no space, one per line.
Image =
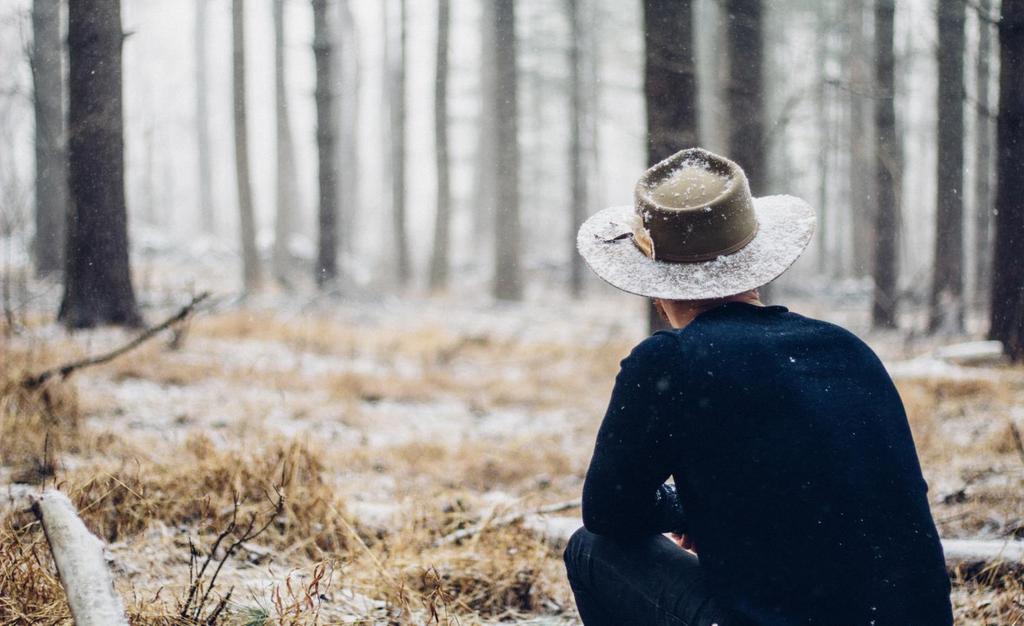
681,312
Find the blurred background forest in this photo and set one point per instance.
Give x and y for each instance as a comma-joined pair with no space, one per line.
373,204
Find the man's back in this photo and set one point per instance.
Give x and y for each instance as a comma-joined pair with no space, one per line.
795,467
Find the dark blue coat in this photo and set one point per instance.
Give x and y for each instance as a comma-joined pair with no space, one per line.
796,471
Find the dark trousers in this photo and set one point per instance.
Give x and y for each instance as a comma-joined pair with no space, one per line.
648,581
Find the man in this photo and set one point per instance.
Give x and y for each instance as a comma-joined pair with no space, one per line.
796,480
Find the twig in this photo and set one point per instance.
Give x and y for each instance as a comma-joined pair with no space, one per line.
63,371
507,520
1018,442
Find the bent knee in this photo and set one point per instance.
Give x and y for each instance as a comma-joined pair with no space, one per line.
577,550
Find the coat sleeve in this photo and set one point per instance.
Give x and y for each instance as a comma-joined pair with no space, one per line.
624,493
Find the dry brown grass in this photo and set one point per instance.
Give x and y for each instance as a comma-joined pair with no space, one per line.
148,496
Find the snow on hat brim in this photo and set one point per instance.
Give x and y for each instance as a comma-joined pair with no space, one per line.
785,226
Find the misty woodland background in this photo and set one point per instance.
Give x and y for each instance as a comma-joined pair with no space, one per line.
380,403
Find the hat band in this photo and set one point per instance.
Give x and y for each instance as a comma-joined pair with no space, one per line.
642,240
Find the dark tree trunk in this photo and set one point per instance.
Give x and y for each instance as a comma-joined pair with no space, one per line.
1007,268
577,171
397,108
983,160
947,313
746,90
203,122
327,257
251,273
51,164
442,219
508,284
862,187
97,276
670,78
745,95
888,172
670,87
287,190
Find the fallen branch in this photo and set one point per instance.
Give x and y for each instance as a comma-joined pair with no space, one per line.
985,559
507,520
63,371
78,555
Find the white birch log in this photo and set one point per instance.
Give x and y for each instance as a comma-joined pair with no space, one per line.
78,555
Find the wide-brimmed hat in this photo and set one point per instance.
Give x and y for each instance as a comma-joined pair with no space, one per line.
695,232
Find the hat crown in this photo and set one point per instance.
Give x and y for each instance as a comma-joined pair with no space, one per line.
696,206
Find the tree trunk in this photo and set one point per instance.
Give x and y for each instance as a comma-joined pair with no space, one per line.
947,313
251,273
327,257
508,284
203,122
397,108
888,172
862,192
670,87
439,260
485,174
286,196
746,90
577,170
349,74
983,159
1007,316
97,276
51,166
745,95
824,120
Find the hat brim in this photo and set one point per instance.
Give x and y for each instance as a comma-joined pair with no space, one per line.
785,226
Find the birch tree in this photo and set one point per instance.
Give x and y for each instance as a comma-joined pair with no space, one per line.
251,273
203,161
286,191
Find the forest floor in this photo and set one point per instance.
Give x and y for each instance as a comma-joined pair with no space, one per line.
363,433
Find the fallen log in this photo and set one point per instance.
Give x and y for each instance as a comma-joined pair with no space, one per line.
78,555
983,559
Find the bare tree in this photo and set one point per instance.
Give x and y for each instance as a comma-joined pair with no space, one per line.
946,310
577,170
47,62
862,187
396,105
888,172
287,192
485,173
327,263
1007,314
983,158
508,283
203,161
250,254
745,90
670,86
97,276
439,260
349,76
